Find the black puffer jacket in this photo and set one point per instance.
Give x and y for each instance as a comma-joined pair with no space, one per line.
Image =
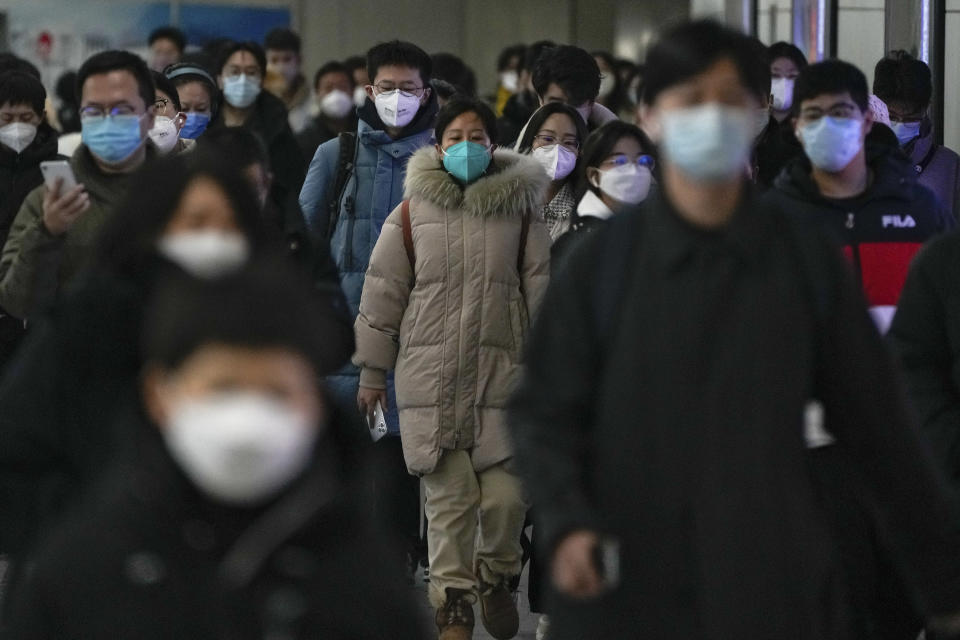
20,174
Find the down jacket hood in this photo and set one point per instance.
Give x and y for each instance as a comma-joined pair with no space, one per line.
513,185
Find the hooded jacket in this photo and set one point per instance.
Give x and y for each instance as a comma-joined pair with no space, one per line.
454,324
937,167
881,230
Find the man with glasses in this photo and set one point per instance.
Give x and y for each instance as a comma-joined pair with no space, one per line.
55,228
353,183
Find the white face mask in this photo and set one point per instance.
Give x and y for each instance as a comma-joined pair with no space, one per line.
556,160
359,96
782,90
396,109
18,135
607,83
164,134
336,104
709,142
239,447
206,254
510,80
241,91
831,143
628,183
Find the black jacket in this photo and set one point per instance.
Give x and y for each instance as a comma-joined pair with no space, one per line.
880,230
520,106
319,130
654,418
775,148
149,557
925,335
20,174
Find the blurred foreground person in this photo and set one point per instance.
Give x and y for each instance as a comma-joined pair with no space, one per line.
456,276
238,517
660,423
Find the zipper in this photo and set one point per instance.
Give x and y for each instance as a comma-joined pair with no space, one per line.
463,283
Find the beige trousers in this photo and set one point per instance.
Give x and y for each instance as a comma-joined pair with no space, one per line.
457,500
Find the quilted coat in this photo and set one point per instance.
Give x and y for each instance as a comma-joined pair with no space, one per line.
453,326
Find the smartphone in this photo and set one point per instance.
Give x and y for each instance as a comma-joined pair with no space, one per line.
378,425
53,169
606,558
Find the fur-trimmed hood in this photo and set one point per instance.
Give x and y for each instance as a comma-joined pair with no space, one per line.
515,188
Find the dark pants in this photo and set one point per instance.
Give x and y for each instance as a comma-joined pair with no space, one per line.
396,497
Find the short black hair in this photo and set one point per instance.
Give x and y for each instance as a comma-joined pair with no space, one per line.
831,76
282,39
267,304
172,34
540,116
18,88
66,88
601,142
789,51
162,83
11,62
250,47
691,48
443,89
572,69
355,62
403,54
508,53
115,60
452,69
332,67
242,145
534,52
457,106
183,73
761,75
901,77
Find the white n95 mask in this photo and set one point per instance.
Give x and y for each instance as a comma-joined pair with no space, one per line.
164,134
18,135
397,109
628,183
207,253
556,160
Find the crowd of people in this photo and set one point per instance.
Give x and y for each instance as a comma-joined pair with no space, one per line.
681,337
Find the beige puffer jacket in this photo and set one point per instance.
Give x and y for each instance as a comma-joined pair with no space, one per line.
455,331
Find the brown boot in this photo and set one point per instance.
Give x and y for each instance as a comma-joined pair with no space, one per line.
498,611
455,617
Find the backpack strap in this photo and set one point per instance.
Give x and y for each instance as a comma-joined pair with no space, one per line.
407,232
345,165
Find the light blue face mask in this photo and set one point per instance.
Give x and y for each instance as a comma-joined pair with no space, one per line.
113,139
195,125
831,143
240,91
905,131
466,161
709,142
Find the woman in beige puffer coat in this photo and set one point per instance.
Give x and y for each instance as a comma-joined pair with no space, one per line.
448,309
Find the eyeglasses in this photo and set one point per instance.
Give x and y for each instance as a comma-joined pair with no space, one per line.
839,110
94,112
407,90
620,160
548,140
161,104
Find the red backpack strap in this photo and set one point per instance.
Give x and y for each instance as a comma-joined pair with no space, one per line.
407,232
524,231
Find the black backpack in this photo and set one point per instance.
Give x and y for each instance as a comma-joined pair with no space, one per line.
345,165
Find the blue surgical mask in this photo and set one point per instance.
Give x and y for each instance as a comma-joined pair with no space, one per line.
240,91
905,131
831,143
195,125
709,142
466,161
113,139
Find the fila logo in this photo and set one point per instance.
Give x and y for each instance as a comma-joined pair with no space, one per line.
900,222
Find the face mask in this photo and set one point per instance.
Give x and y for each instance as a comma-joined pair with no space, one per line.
628,184
163,134
241,447
782,90
556,160
466,161
607,83
710,142
336,104
206,254
112,139
18,135
831,143
395,109
240,91
359,96
905,131
195,125
510,80
288,70
760,121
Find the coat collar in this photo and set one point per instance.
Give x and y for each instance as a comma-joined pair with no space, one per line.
514,185
593,207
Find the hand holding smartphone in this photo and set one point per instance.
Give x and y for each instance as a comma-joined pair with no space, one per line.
53,169
377,423
65,200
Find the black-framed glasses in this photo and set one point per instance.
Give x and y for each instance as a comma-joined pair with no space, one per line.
568,143
408,90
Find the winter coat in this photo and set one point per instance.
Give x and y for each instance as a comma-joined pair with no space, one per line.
881,230
373,190
268,119
454,325
938,169
925,335
774,149
35,265
148,557
650,418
